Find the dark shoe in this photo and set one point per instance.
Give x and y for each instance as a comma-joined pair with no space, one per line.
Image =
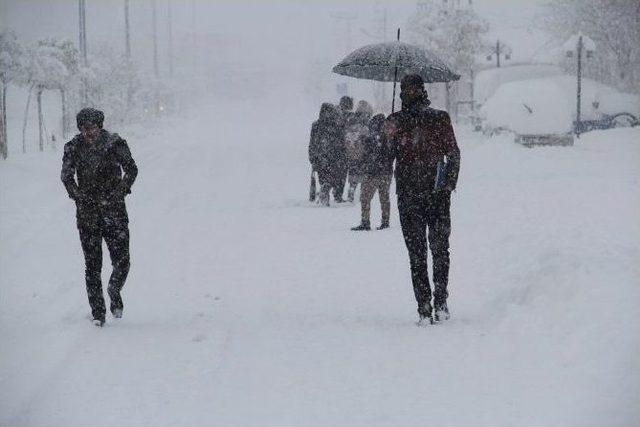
441,311
383,226
361,227
116,303
424,315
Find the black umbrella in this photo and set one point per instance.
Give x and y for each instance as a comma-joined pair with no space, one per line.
390,61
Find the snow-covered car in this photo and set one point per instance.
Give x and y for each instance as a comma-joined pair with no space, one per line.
546,107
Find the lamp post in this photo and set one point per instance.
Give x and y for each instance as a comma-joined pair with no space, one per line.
575,46
498,50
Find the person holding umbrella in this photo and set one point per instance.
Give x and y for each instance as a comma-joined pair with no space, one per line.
423,145
427,156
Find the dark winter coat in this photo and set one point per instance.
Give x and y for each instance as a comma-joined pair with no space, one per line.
419,138
101,186
326,147
377,156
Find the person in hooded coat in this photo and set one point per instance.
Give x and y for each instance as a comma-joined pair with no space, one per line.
345,109
97,159
326,151
356,132
427,157
378,172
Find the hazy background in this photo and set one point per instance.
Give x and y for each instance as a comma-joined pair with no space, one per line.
255,46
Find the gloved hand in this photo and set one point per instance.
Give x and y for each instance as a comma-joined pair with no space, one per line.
121,191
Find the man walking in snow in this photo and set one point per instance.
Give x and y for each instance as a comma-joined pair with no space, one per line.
97,158
427,157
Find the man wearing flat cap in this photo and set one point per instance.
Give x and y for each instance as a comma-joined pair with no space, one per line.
423,144
98,172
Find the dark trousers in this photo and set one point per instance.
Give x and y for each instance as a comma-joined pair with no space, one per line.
338,184
426,218
116,235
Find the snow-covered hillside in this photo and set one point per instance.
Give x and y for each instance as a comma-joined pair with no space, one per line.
246,306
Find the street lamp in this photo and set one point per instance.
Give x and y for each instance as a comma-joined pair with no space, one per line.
574,46
498,50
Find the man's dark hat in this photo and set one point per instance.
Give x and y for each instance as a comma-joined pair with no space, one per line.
90,115
412,80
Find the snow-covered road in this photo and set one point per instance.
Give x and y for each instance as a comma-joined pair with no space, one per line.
247,306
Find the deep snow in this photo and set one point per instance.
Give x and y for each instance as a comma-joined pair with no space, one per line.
247,306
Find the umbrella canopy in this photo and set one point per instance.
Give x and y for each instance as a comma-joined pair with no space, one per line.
379,61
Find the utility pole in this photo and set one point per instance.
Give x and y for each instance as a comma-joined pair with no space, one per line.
170,31
127,51
127,30
83,47
156,71
194,50
346,19
579,86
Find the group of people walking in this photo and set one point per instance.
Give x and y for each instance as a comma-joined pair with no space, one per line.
421,142
98,171
348,146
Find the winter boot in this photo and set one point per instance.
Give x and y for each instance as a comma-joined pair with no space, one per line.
424,315
116,302
364,226
385,224
441,311
98,322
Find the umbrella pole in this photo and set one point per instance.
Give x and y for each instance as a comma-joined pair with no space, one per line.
393,101
395,78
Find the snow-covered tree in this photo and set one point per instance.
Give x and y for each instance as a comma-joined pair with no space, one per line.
44,69
10,66
112,84
67,54
614,26
455,34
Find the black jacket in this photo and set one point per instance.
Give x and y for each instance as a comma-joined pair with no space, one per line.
327,153
377,156
420,138
101,185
